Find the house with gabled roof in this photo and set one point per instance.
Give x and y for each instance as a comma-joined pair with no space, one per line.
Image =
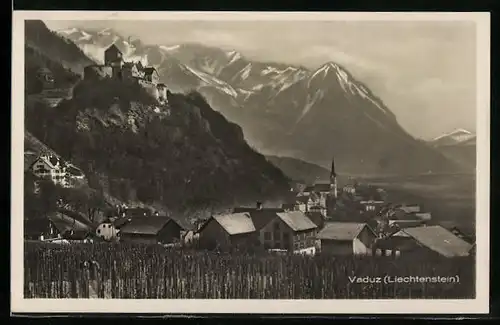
346,238
291,230
425,241
227,230
50,167
151,230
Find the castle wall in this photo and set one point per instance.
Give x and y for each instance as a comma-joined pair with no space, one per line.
150,87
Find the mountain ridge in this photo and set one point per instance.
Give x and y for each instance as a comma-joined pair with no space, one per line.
290,111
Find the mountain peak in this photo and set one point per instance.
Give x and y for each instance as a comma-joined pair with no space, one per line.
455,137
456,132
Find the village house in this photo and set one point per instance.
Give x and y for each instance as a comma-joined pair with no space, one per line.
151,230
129,72
303,202
423,241
53,168
107,231
291,231
371,205
346,238
227,230
50,167
349,189
318,208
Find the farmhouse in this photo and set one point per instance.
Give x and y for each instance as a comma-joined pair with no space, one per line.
151,230
291,231
424,241
227,230
346,238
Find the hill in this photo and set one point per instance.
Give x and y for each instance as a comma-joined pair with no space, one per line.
179,156
300,170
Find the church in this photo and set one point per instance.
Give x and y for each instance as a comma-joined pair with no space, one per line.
130,72
320,196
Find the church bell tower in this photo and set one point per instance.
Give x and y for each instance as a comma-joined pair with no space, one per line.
332,197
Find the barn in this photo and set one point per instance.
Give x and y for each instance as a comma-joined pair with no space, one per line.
227,230
151,230
346,238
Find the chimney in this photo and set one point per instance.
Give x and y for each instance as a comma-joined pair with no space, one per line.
259,205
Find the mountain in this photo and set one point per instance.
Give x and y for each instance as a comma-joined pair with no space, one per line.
459,146
42,41
287,110
456,137
300,170
181,155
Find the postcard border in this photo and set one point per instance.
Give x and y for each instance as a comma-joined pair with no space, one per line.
188,306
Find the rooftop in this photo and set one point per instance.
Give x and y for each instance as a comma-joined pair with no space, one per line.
297,220
438,239
345,231
236,223
145,226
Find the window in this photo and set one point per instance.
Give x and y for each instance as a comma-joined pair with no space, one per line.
267,236
276,226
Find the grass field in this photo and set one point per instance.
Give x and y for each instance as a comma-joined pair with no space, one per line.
448,197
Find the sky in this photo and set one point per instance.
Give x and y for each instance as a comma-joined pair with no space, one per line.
424,71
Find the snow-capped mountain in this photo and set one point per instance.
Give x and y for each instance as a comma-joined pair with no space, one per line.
456,137
458,145
285,110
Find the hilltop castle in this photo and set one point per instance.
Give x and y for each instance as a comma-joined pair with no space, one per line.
131,72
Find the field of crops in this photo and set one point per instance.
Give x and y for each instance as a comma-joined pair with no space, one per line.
149,272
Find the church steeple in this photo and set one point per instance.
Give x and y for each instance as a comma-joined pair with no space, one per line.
332,196
333,180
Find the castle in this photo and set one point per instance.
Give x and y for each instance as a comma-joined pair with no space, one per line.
131,72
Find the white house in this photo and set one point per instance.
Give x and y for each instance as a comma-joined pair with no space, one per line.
50,167
107,231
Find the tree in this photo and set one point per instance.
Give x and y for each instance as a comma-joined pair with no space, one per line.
89,202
